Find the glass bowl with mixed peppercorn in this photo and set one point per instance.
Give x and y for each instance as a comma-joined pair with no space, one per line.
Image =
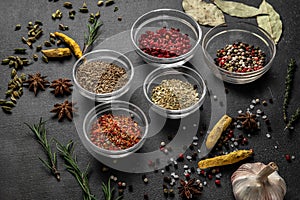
103,75
166,37
114,129
238,52
174,92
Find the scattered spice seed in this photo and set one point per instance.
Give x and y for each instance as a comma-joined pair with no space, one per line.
45,59
218,182
68,5
288,157
119,18
39,48
240,57
109,2
116,9
18,27
47,43
101,77
72,14
57,15
164,43
63,27
35,57
115,132
20,51
100,3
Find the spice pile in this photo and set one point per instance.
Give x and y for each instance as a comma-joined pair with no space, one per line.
115,132
165,43
174,94
101,77
240,57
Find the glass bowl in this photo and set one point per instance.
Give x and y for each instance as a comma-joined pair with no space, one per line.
187,36
108,56
182,73
230,33
117,109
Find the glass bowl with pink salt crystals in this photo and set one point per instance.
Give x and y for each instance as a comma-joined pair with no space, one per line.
114,129
166,37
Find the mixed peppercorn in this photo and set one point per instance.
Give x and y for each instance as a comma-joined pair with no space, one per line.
240,57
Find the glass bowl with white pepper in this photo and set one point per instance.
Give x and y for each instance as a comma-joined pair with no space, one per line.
174,92
103,75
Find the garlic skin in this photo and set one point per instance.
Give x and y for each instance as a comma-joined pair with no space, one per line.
257,181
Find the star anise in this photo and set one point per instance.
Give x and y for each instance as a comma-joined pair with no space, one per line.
64,110
248,121
37,82
189,188
62,86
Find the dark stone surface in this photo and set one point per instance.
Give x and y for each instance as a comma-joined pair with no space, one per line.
22,175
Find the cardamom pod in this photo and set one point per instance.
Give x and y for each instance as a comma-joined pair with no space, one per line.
5,61
13,73
6,109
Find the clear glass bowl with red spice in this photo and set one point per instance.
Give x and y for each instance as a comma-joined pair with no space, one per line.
166,37
184,82
230,36
114,129
103,75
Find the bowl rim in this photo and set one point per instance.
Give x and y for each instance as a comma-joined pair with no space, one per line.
242,74
106,152
104,95
180,57
181,111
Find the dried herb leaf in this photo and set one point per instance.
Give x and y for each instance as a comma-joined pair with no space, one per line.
237,9
204,13
271,22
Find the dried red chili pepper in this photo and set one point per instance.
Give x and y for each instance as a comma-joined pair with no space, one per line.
114,132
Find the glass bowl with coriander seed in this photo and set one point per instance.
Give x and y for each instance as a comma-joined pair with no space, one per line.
166,37
239,52
114,129
103,75
174,92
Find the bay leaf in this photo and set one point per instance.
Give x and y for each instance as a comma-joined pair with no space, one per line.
271,23
204,13
237,9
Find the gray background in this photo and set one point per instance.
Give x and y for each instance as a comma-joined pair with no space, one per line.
22,176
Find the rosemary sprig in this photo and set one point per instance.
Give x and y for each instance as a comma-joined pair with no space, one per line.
108,191
41,136
72,167
92,35
288,87
294,118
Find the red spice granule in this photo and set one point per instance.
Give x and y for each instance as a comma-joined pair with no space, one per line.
165,43
114,132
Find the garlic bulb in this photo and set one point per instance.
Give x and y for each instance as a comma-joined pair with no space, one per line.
257,181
